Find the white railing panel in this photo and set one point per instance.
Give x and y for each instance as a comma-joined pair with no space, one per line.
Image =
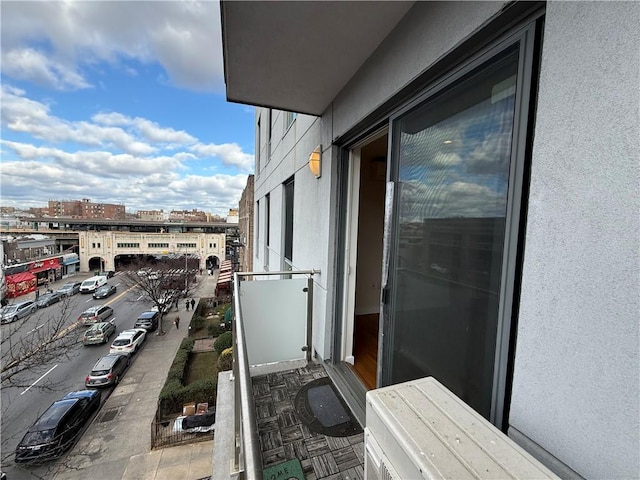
274,314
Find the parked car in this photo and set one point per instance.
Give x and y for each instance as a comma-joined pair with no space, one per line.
47,299
129,341
12,313
69,289
108,370
95,314
107,273
99,333
58,428
104,291
147,320
90,285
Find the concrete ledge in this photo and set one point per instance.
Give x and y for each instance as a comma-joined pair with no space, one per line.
224,438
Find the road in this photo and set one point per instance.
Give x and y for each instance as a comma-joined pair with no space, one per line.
22,406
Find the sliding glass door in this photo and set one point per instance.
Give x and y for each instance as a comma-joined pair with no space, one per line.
457,174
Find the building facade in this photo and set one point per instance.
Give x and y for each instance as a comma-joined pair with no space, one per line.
464,176
85,209
102,248
245,226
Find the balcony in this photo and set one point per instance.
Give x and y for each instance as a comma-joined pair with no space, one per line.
278,415
260,403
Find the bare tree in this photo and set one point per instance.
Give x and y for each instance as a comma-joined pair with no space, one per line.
32,351
163,283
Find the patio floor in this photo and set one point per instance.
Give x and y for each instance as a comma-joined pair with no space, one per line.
284,437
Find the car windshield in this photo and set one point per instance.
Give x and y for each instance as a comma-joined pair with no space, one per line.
99,373
103,289
93,333
37,438
121,342
9,309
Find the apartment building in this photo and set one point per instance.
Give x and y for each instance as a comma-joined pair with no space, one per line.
463,175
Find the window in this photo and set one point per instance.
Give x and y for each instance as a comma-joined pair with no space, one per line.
289,117
185,245
258,145
455,161
288,219
257,228
157,245
128,245
269,114
267,215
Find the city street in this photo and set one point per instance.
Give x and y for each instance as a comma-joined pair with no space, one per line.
22,406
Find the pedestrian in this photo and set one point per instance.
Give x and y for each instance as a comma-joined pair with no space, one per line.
177,322
193,304
37,293
187,303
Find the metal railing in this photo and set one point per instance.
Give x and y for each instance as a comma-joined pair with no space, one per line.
247,460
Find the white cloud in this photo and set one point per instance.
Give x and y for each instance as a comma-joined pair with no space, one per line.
229,153
52,43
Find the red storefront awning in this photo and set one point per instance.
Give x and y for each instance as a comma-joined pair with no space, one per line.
20,284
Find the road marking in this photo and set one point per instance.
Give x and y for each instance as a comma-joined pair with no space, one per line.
37,328
34,383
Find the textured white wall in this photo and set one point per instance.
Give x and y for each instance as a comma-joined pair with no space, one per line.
577,369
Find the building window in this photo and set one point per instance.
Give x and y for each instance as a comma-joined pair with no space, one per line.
258,145
267,217
157,245
128,245
454,161
93,245
269,130
289,117
185,245
257,228
288,219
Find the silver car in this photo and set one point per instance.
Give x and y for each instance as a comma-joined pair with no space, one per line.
107,371
12,313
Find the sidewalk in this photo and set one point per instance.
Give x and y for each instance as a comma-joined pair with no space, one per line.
117,445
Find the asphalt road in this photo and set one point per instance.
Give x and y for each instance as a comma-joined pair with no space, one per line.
21,406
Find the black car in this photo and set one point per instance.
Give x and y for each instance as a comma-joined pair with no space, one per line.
147,320
58,428
104,291
47,299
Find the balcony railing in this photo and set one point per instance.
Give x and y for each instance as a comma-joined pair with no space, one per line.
272,332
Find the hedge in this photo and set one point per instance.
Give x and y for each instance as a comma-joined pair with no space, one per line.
174,394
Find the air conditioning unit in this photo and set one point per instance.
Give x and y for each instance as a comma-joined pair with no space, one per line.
421,430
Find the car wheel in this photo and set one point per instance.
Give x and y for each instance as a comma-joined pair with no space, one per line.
14,319
117,381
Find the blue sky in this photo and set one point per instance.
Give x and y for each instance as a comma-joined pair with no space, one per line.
119,102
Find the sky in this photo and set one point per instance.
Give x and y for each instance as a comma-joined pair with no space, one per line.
119,102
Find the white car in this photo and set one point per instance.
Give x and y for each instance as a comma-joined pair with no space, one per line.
128,341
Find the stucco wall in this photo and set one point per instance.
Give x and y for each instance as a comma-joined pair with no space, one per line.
427,33
577,369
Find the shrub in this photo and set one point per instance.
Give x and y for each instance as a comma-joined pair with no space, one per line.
197,322
225,360
223,342
214,330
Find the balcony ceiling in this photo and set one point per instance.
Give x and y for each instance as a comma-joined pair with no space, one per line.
297,56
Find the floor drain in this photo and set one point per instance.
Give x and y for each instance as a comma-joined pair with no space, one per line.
108,415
